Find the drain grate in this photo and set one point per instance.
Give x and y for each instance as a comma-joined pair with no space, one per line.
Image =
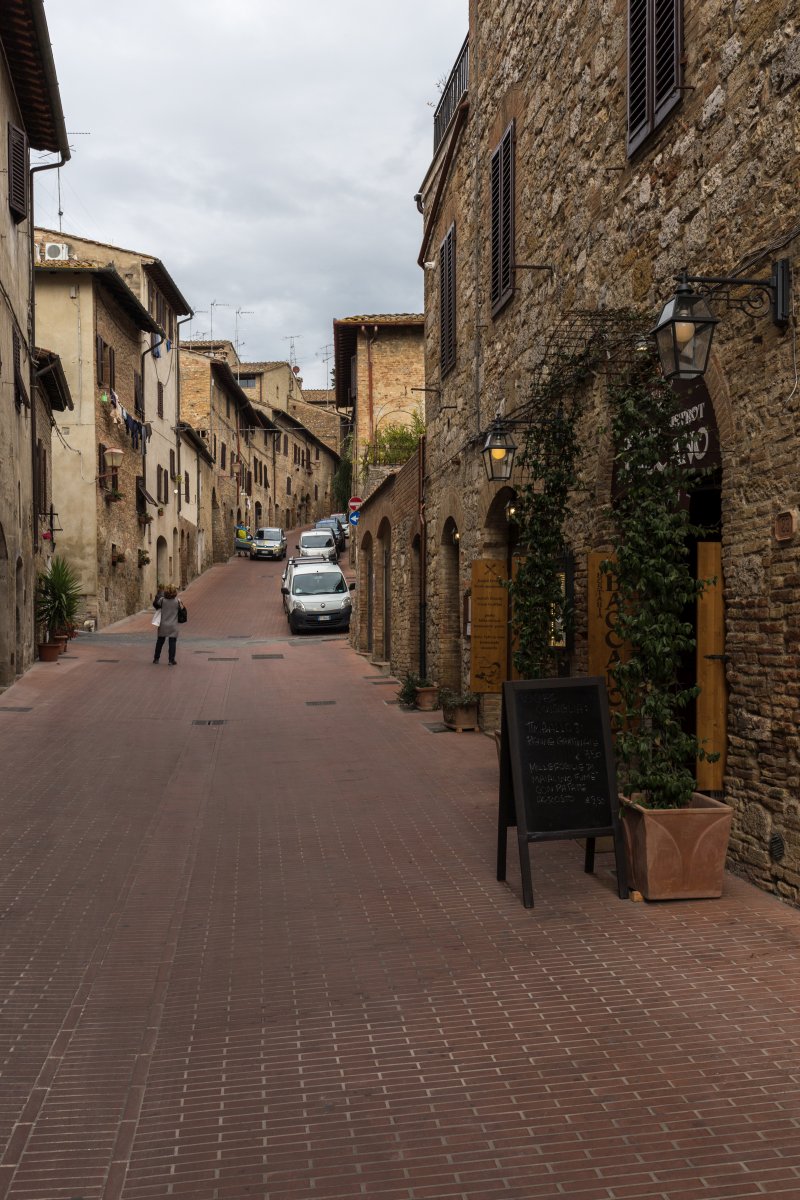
11,708
223,659
434,727
777,847
106,660
318,703
384,682
267,656
239,637
209,722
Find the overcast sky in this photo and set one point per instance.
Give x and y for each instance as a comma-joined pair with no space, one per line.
267,151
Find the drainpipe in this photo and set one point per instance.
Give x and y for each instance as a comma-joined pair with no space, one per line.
32,309
178,455
423,563
142,357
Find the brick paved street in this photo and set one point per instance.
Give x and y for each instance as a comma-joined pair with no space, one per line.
269,957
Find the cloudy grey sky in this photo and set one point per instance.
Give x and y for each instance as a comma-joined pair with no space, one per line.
268,151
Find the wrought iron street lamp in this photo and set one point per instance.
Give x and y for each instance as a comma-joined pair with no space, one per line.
498,452
685,327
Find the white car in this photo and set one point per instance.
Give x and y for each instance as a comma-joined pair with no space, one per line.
316,543
316,595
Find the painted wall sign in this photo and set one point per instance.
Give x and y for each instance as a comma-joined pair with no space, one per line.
489,625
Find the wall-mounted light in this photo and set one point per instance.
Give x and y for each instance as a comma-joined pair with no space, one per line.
511,511
456,537
685,327
498,452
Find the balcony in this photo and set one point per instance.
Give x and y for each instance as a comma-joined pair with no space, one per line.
454,90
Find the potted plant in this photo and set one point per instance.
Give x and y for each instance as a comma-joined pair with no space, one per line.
144,558
676,838
144,518
58,595
426,695
113,495
459,709
407,695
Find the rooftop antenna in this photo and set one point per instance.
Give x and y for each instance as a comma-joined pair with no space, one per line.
192,334
291,339
240,312
326,354
215,304
71,133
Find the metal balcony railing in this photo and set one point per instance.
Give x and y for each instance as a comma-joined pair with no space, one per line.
454,90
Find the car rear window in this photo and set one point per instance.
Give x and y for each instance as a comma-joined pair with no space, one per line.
268,535
316,540
319,584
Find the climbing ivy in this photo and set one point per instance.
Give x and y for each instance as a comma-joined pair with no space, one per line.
656,587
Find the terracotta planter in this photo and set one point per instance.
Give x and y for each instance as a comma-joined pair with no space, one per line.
460,717
48,651
677,853
427,698
60,640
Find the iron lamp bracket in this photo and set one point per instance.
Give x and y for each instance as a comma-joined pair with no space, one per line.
756,297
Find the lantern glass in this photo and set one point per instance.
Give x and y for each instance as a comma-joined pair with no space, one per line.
683,335
113,457
498,454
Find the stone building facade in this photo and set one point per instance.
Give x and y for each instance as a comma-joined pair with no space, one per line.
571,183
94,322
30,118
388,614
380,378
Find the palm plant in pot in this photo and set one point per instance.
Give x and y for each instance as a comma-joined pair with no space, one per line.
58,595
676,838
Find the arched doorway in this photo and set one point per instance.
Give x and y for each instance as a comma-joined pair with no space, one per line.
258,512
162,561
366,595
450,606
384,590
7,653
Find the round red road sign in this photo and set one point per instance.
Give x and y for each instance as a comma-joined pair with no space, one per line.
354,502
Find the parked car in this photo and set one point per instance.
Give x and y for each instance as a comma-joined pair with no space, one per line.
268,543
318,542
344,521
336,528
316,595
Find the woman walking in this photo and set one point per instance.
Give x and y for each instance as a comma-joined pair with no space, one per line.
170,606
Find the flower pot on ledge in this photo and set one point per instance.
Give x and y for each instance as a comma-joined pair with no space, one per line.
460,716
677,853
427,698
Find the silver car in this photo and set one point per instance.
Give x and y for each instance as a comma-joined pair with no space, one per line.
268,543
317,543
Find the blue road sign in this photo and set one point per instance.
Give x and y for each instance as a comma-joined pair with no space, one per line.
353,518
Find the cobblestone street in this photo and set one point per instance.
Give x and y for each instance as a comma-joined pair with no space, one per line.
253,946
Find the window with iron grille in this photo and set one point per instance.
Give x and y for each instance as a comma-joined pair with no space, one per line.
447,302
160,400
20,391
654,65
502,196
17,173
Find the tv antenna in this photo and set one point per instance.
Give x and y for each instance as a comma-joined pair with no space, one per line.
240,312
215,304
326,354
291,339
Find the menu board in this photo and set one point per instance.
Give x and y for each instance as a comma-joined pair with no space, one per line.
557,777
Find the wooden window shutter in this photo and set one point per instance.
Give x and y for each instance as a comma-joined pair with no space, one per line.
160,400
137,393
172,464
17,173
100,355
654,65
102,470
447,302
20,391
186,484
502,215
112,367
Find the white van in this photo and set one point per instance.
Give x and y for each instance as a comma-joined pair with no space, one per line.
318,543
316,595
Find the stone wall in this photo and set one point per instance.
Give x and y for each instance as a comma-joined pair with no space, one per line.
389,364
715,187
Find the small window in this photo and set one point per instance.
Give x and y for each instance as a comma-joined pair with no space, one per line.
288,485
20,391
316,492
100,352
502,193
223,454
186,485
112,367
160,400
447,302
286,444
102,470
172,471
227,406
654,65
317,453
138,394
17,173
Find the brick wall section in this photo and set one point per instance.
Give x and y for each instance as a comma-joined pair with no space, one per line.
716,183
390,518
397,356
326,425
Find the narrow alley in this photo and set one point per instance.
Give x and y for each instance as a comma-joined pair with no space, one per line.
253,946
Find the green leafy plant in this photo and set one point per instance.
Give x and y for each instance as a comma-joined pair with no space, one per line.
449,698
343,479
407,695
656,589
58,596
394,444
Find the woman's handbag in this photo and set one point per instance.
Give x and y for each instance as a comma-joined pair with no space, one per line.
156,618
183,616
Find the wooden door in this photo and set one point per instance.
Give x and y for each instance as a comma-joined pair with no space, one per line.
712,703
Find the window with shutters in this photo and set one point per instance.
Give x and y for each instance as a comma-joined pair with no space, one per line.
447,302
186,485
654,65
286,444
288,485
112,366
172,464
100,354
102,470
160,400
502,196
138,394
17,173
223,455
20,391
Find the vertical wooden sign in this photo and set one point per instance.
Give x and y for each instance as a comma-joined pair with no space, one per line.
712,703
605,645
489,642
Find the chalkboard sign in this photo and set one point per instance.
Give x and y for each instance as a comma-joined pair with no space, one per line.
557,777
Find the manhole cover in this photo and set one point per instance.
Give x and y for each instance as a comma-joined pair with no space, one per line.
434,727
223,660
106,660
11,708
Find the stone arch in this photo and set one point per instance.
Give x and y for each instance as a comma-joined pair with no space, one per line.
449,575
383,591
258,513
366,595
162,561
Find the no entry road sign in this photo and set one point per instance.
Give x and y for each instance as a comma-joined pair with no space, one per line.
354,503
